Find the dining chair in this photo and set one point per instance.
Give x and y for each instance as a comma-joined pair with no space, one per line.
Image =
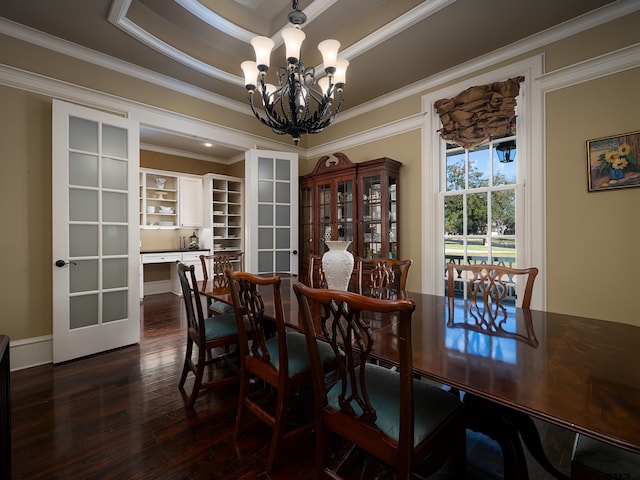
316,274
205,334
276,355
489,287
596,460
408,424
220,262
490,294
381,277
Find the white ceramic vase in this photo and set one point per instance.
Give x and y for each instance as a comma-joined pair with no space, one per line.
337,264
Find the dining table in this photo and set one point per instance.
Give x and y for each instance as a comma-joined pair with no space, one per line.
576,372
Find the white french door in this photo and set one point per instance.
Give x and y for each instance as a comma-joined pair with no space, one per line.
95,231
271,185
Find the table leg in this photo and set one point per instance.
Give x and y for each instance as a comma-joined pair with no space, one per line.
506,426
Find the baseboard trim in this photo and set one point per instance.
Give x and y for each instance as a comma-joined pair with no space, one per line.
31,352
160,286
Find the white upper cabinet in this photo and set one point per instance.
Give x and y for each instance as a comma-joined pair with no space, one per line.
191,202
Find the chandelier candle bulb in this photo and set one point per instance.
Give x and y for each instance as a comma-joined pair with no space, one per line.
250,70
340,77
262,47
325,84
329,50
293,38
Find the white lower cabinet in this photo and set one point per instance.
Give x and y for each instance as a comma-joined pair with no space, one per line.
189,258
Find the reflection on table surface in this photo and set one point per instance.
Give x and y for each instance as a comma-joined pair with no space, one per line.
577,372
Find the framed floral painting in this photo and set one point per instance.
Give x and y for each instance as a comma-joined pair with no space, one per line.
613,162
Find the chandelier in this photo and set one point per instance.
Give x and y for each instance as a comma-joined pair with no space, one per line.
299,104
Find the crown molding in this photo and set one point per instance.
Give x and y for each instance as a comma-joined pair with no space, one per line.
603,65
44,40
390,129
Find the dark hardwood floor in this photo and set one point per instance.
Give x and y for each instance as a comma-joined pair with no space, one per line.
120,415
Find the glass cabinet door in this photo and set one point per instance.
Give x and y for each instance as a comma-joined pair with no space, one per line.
345,211
372,241
378,184
324,214
336,212
393,217
306,222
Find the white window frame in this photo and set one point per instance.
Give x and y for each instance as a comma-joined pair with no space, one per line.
530,214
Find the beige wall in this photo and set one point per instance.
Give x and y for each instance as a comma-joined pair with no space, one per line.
590,236
25,196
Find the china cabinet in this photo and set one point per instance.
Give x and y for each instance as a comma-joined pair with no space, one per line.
342,200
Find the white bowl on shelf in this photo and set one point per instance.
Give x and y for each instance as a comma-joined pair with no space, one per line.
166,224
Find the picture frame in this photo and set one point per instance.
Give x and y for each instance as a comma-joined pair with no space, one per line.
612,162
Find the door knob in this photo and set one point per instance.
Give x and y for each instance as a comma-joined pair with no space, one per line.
62,263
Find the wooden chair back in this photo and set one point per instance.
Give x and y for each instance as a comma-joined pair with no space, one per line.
489,287
316,275
347,408
204,334
192,302
248,304
220,262
380,277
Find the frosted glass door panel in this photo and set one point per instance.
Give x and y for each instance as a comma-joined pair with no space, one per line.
265,238
84,276
114,273
114,207
83,311
283,215
283,261
114,306
282,238
283,193
83,134
265,215
83,241
83,170
114,174
114,141
265,191
265,262
265,168
83,205
114,240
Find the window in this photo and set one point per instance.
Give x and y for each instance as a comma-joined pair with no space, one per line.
480,193
474,205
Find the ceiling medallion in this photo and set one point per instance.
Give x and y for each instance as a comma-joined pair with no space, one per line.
299,104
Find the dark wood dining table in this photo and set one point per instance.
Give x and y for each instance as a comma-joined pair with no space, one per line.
579,373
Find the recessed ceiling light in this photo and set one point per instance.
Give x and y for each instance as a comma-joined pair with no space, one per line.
207,144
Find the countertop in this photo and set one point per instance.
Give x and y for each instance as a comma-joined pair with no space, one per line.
174,250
